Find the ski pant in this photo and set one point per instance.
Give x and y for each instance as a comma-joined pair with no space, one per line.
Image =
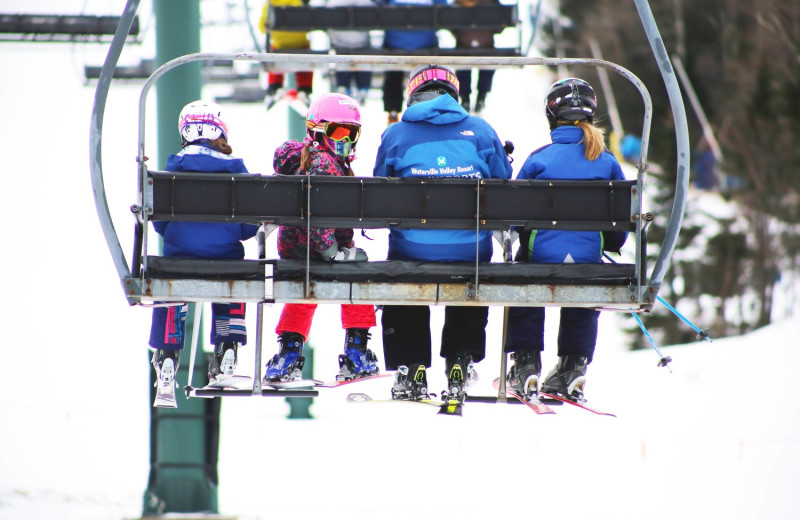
485,79
167,331
394,82
303,79
407,333
577,330
362,79
297,317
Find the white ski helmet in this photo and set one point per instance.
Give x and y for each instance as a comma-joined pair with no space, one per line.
201,120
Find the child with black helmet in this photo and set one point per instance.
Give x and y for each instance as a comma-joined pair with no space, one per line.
437,138
577,152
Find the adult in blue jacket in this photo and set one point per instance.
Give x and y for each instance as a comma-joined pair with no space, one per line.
577,152
436,138
205,149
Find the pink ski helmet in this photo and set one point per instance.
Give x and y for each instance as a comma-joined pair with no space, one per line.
334,120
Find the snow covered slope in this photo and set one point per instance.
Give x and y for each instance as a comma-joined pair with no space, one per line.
709,441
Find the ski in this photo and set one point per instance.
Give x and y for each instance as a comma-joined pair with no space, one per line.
165,394
576,403
297,383
452,407
364,398
337,383
228,381
534,403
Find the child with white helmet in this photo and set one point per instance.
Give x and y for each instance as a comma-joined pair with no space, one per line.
204,139
333,127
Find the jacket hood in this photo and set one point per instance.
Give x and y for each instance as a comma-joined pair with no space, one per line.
442,110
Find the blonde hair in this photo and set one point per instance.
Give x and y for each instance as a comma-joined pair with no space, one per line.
594,140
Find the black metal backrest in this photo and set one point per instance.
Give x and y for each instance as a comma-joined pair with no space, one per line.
369,202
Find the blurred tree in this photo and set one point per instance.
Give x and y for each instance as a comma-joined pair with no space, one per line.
743,60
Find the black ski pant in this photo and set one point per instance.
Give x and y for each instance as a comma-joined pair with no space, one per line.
577,330
407,333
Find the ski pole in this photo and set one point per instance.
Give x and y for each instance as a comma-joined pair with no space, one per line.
665,360
702,334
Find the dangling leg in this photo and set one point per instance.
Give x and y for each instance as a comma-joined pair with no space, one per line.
357,360
577,336
407,348
227,333
293,328
525,341
463,345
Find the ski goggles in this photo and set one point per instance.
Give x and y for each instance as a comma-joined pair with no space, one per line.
427,75
346,132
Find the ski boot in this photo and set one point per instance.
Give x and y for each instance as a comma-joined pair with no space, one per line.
274,94
523,376
410,383
357,360
287,364
461,375
166,364
568,378
465,103
223,362
393,117
480,103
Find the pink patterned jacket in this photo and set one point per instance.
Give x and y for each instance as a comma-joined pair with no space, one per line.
292,239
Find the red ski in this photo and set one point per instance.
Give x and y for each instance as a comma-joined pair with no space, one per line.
534,404
334,384
576,403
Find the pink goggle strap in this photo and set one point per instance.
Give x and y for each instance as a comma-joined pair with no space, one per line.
431,75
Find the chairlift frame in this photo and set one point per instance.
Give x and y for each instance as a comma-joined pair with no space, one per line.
267,281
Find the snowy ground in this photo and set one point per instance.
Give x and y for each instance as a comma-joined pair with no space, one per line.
697,443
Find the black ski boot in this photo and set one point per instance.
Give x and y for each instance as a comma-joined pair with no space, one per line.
524,374
461,375
287,364
480,103
465,103
357,360
223,362
568,378
410,383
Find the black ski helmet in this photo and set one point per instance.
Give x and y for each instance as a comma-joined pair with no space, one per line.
426,78
570,99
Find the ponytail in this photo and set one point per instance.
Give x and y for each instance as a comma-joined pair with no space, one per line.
305,159
220,144
593,141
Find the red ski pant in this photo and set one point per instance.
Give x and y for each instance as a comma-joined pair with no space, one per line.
297,317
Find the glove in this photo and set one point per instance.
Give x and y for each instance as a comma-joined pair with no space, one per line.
350,254
345,254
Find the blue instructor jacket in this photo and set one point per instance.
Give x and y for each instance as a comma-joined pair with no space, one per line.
438,138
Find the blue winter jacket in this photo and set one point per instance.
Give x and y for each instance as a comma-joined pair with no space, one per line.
437,138
411,40
204,239
564,159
